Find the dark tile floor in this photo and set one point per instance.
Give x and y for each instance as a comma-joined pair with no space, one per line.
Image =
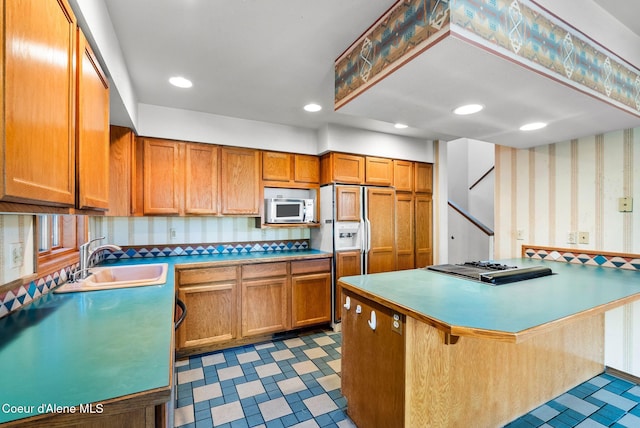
296,382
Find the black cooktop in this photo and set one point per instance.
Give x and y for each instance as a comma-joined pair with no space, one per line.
490,272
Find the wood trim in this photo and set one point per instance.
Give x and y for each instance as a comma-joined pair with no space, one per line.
622,375
578,251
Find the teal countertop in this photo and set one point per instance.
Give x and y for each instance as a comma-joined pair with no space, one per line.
88,347
465,307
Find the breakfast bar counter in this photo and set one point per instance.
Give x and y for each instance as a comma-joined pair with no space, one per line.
443,351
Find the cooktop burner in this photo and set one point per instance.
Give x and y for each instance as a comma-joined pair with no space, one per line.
490,272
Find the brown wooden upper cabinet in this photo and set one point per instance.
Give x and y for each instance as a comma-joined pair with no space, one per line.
92,137
423,182
378,171
348,203
240,181
290,170
122,172
341,168
179,178
403,175
39,153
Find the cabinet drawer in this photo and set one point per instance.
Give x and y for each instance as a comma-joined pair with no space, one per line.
260,270
310,266
204,275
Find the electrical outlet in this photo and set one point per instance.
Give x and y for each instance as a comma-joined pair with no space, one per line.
16,253
572,238
520,234
172,233
583,237
396,323
625,205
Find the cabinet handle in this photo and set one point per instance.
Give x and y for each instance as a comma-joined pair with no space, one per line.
373,321
358,309
347,303
182,306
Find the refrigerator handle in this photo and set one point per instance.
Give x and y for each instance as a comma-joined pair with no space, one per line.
368,235
363,240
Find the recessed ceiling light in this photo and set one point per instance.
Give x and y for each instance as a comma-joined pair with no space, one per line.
313,107
533,126
180,82
468,109
400,126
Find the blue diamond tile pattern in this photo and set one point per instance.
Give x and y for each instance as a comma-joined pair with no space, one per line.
605,260
295,382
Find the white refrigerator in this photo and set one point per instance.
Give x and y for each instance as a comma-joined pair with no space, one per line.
357,225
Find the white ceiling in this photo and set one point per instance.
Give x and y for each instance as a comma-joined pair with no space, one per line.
264,60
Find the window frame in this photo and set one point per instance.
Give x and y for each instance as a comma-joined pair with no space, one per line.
73,230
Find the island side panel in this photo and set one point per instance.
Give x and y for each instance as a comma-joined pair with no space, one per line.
487,383
372,364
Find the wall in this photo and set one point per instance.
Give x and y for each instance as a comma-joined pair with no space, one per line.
574,185
339,138
130,231
15,229
471,159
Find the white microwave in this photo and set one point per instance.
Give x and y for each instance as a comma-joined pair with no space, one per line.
289,210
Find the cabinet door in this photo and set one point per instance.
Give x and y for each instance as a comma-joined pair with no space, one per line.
378,171
403,176
373,364
92,126
348,263
210,315
210,295
39,83
404,231
310,299
423,182
347,168
381,204
163,176
240,181
276,166
306,169
424,227
264,306
348,203
201,179
121,165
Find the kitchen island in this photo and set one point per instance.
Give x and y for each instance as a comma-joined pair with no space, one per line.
101,358
424,349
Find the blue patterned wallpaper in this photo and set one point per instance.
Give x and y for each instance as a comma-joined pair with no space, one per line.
515,29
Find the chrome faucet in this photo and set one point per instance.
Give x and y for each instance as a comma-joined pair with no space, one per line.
86,256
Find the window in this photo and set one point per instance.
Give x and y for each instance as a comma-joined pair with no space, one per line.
59,237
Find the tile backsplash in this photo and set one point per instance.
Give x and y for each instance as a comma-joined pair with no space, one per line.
147,237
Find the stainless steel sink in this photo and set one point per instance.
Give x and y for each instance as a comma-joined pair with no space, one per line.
110,277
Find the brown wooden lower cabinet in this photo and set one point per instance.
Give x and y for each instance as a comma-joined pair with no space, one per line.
242,303
310,292
206,291
264,301
348,263
424,227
